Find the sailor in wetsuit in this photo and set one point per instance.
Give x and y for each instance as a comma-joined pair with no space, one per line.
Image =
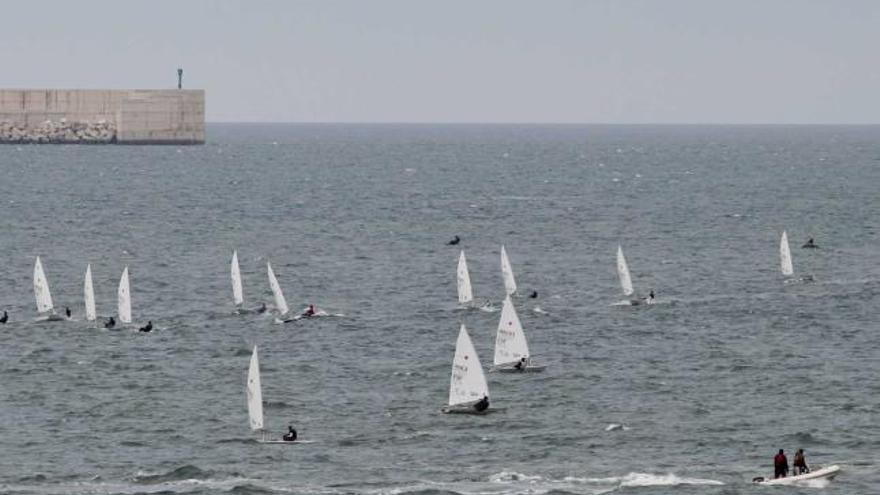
521,365
534,294
110,323
290,436
455,240
810,244
650,298
67,312
780,465
309,312
482,404
147,328
262,308
5,317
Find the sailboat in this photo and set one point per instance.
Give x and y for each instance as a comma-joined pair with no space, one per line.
511,347
626,279
280,302
254,392
465,293
238,292
468,384
89,295
507,273
123,298
786,264
41,292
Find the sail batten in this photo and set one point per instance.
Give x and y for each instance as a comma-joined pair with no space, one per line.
89,295
465,292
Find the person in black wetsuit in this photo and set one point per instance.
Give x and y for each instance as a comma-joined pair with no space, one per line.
534,294
521,365
309,312
810,244
5,317
147,328
110,323
650,298
67,312
290,436
262,308
482,404
455,240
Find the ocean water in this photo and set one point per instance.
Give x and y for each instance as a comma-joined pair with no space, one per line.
731,365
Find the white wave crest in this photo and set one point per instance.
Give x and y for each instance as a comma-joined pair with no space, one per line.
510,476
648,479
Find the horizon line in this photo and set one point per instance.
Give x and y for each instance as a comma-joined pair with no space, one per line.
690,124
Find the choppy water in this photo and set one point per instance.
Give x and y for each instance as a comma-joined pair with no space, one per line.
734,365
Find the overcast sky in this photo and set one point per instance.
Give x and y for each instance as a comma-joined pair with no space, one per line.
621,61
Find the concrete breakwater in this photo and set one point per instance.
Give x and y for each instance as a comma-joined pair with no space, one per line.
102,116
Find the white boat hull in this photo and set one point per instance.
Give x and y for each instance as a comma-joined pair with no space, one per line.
532,368
824,473
464,410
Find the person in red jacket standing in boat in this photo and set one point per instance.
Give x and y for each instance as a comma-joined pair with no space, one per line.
780,465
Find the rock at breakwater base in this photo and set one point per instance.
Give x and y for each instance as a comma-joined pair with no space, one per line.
60,131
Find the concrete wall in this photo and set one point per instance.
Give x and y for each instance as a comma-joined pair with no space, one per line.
137,116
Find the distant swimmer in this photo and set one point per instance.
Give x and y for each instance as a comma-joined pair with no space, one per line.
650,298
810,244
290,436
780,465
482,404
309,312
110,323
147,328
67,312
800,463
534,294
5,317
262,308
455,240
521,364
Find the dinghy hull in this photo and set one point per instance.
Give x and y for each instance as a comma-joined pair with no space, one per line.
824,473
536,368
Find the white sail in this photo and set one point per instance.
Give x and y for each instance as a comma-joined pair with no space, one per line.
255,393
280,302
623,273
89,294
465,293
785,256
468,383
507,273
510,341
124,297
41,289
237,292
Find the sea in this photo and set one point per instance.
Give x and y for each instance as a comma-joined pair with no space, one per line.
692,395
